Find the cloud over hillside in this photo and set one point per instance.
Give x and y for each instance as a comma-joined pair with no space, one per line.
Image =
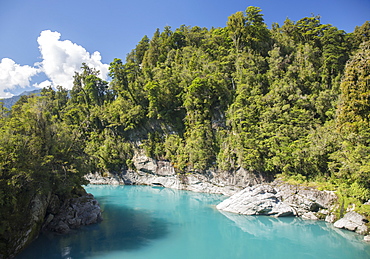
60,60
13,75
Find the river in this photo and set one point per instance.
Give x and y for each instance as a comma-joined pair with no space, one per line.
154,222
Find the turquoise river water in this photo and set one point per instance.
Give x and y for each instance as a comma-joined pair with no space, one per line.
152,222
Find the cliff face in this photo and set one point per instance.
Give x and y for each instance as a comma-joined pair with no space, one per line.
49,213
161,173
23,233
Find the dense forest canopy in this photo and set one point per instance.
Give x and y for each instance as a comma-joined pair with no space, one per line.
291,100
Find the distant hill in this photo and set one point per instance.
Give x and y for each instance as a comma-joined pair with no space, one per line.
9,102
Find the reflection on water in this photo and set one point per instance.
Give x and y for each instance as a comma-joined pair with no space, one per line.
123,228
155,222
298,231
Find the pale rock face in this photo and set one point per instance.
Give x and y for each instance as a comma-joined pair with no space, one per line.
30,231
304,199
111,179
279,199
330,218
257,200
310,215
352,221
149,171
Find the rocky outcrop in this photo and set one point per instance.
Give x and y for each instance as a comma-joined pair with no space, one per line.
354,222
257,200
108,178
279,199
306,202
49,213
162,173
75,212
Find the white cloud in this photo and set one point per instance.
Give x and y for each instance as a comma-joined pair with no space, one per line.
13,75
61,58
43,84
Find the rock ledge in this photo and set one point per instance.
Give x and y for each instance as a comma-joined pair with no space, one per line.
75,212
279,199
354,222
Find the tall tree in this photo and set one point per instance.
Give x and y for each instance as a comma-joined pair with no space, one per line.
353,120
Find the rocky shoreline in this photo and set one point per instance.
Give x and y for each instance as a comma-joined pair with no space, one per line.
250,194
72,214
53,215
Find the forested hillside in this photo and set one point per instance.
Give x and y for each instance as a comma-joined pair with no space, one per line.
291,100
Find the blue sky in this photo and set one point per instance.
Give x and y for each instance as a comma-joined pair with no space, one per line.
37,34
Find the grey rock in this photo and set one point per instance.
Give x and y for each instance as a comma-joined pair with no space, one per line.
352,221
304,199
283,199
30,230
279,199
257,200
108,178
54,204
309,215
38,207
62,228
330,218
367,238
76,212
162,173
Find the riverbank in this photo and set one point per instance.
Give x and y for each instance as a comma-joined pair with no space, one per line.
250,193
51,214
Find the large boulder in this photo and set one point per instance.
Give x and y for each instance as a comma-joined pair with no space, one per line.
280,199
257,200
354,222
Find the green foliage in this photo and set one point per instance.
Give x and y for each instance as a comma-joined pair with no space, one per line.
109,152
292,101
248,30
240,96
153,146
351,161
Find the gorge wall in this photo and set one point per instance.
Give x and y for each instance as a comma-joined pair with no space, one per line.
162,173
